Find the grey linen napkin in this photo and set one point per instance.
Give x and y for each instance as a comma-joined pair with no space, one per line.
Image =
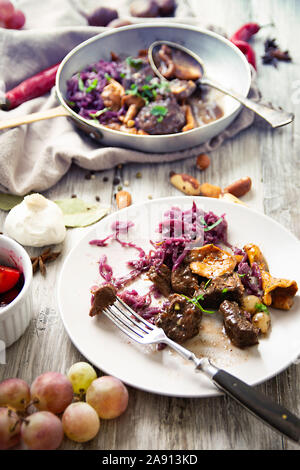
34,157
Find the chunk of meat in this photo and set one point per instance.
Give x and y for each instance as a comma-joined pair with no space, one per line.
240,330
158,124
181,319
210,261
102,298
112,95
226,287
161,278
184,281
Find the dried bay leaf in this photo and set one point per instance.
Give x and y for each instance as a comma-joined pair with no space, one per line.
78,213
8,201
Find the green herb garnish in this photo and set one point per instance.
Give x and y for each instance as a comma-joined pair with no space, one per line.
108,77
210,227
122,75
207,283
259,307
195,301
135,63
98,113
80,83
147,89
134,90
224,290
160,112
242,275
92,86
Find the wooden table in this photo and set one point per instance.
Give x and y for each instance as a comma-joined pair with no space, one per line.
271,159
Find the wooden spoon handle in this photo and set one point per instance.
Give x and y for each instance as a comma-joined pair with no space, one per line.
34,117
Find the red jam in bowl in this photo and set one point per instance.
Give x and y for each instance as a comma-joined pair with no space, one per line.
11,284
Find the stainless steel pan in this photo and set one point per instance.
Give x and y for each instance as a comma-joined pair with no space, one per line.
223,61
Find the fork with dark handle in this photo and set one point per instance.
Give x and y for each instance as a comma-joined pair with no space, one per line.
140,330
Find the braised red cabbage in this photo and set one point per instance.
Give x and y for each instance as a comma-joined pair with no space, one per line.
180,231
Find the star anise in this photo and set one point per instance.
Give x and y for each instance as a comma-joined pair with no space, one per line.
39,262
273,53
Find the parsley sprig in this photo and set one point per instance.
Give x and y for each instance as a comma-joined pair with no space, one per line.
260,307
92,85
160,112
136,63
149,92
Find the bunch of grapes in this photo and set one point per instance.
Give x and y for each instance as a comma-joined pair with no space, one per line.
70,405
10,18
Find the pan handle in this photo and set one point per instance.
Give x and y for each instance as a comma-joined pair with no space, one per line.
34,117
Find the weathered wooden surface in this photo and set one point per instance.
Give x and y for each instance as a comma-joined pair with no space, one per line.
272,161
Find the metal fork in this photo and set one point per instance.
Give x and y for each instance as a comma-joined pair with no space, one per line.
140,330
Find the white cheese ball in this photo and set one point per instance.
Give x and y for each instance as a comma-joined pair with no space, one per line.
36,222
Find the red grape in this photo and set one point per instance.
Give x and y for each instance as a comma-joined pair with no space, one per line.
42,431
17,21
9,428
6,10
52,391
14,393
109,396
80,422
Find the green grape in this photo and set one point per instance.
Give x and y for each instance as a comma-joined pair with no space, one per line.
81,375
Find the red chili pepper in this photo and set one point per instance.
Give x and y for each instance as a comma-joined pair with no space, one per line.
32,87
245,32
247,50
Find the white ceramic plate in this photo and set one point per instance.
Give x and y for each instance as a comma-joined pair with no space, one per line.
164,372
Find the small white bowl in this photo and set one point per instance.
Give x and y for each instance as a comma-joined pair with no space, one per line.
15,317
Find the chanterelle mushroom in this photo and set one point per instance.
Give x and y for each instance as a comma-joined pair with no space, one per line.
210,261
112,95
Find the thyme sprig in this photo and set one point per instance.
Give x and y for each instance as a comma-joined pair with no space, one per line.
195,301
